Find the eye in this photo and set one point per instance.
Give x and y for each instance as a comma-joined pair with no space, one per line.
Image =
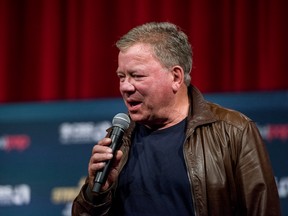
137,76
121,76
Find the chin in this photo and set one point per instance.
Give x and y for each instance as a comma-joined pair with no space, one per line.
136,117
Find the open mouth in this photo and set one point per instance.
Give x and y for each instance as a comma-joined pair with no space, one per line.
134,103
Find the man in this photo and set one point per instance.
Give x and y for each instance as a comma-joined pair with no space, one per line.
181,155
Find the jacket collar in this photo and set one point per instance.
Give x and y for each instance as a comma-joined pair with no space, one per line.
200,112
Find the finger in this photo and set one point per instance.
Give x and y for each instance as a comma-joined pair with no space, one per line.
94,167
98,161
100,157
102,146
113,174
105,141
118,155
117,160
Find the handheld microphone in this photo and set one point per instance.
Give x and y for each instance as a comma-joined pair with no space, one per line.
120,123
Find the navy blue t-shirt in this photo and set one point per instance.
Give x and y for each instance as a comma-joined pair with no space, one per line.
154,181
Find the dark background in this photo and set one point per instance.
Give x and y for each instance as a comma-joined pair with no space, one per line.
64,49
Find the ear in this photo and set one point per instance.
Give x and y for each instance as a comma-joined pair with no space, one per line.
178,77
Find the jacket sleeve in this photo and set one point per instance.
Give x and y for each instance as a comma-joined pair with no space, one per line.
255,175
95,205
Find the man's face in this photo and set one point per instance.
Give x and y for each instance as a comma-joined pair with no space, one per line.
145,85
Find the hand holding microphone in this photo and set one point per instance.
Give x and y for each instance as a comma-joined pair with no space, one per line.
103,156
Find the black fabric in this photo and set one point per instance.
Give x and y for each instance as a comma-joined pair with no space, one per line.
154,180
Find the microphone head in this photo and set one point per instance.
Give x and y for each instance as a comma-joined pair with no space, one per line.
121,120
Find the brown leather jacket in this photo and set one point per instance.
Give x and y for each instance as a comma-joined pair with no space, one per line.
227,165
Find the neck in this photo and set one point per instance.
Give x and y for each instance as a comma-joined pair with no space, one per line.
174,114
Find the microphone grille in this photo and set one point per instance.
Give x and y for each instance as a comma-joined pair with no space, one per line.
121,120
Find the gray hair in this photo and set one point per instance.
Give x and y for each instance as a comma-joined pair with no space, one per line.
170,44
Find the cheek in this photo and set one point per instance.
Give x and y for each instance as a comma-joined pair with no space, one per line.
120,89
161,88
157,95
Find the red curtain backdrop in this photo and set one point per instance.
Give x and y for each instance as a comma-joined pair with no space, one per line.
64,49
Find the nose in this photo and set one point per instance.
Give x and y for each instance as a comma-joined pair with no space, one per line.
126,86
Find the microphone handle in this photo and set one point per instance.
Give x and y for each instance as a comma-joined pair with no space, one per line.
101,175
